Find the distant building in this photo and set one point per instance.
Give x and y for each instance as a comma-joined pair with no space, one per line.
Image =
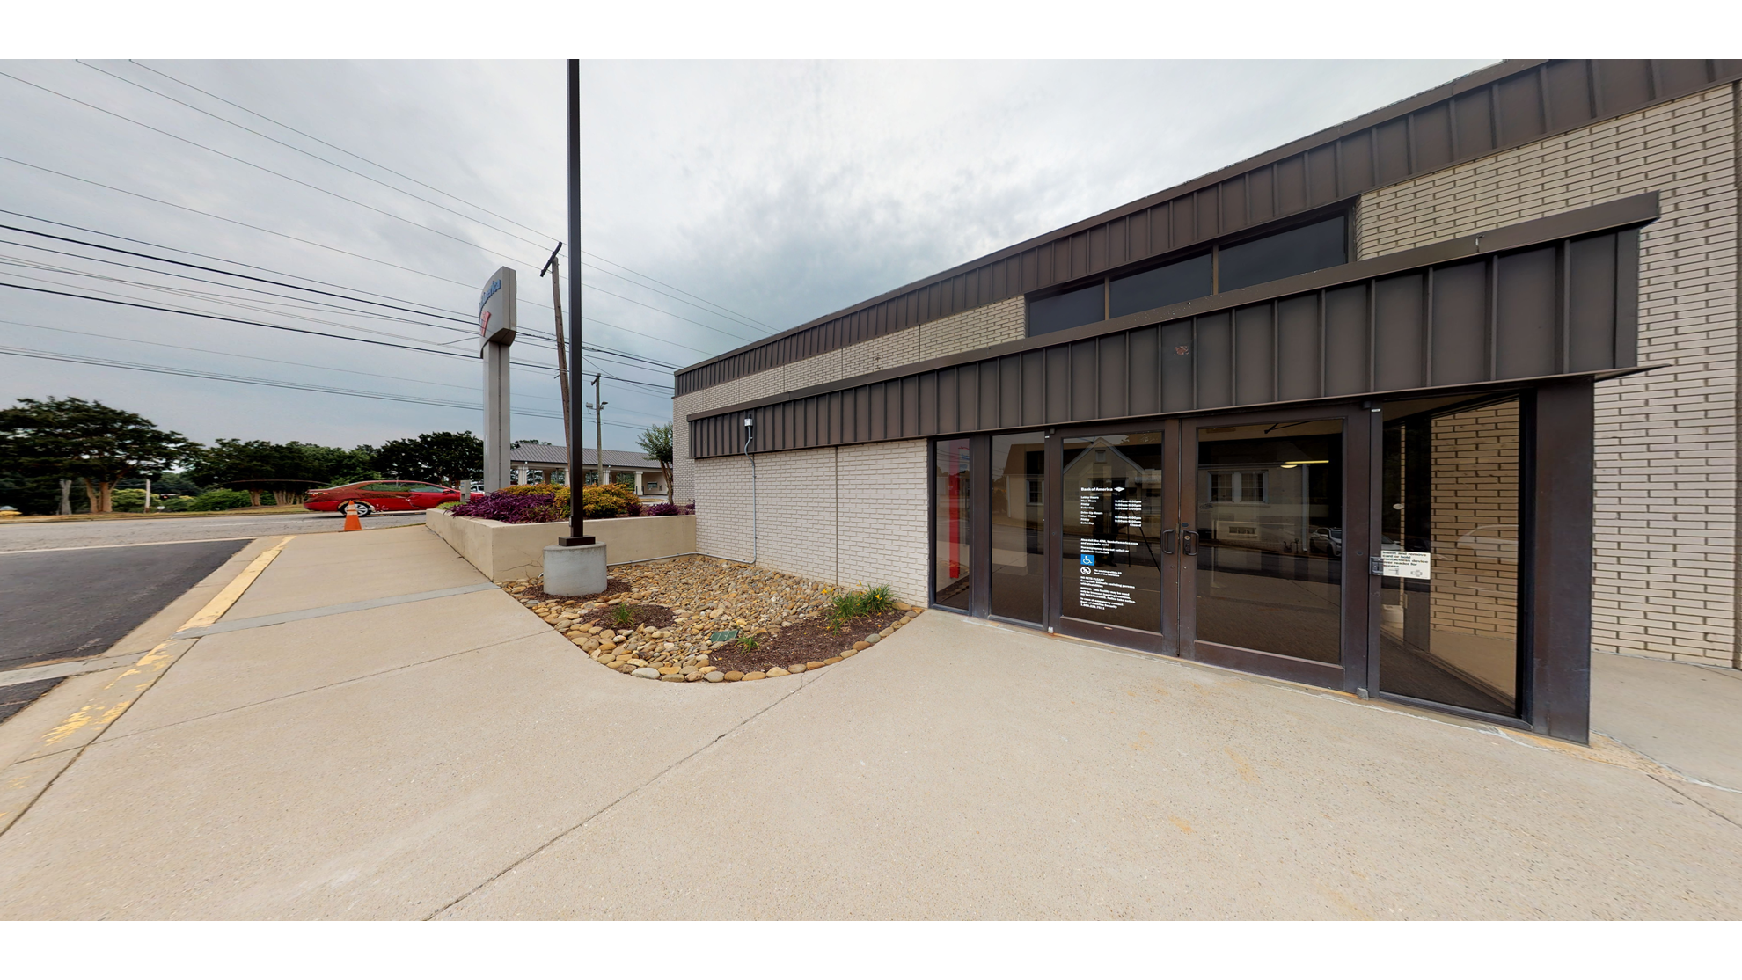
530,463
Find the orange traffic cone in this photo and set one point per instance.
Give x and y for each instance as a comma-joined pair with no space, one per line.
352,523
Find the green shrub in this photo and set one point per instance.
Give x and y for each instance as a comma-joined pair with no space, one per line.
613,500
128,501
211,500
852,605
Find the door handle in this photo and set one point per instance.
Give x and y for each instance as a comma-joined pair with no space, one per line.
1167,541
1188,540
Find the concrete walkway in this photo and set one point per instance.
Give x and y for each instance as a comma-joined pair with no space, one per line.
453,757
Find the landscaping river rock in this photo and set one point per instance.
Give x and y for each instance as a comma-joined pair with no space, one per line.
696,619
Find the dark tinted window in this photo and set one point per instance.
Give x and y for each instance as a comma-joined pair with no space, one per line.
1066,310
1169,284
1288,253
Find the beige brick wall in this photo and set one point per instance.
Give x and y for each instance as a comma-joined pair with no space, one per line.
1666,495
853,516
1475,487
883,517
994,323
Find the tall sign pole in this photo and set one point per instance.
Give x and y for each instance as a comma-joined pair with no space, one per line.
496,329
577,528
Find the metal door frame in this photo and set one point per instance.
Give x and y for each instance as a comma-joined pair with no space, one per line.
1360,514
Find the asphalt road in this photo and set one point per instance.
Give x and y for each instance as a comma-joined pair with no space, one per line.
69,590
100,534
70,605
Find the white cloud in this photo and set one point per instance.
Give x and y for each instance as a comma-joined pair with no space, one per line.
783,191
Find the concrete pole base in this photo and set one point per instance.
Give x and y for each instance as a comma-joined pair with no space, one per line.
574,569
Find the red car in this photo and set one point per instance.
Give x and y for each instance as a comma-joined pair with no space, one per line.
375,495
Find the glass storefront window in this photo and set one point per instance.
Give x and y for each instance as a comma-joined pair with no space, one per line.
1112,529
1018,522
1269,522
952,524
1448,628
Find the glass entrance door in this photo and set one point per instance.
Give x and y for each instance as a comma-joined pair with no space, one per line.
1115,543
1262,567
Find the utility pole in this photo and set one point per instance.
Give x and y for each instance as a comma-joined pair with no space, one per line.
554,267
599,428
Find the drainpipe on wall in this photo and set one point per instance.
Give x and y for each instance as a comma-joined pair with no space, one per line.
747,437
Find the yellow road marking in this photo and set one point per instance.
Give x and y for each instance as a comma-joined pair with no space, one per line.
107,706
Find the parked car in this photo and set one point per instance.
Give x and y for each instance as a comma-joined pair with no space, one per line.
373,495
1326,541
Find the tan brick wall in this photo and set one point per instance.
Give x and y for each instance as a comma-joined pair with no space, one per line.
1666,495
853,516
883,517
1475,486
985,326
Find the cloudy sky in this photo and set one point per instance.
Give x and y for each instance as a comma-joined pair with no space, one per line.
723,201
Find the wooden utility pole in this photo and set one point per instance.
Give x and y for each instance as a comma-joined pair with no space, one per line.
554,267
599,427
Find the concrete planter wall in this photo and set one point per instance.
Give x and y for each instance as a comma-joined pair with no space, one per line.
506,552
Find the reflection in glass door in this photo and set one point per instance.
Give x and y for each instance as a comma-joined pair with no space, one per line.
1113,523
1018,525
1265,508
952,524
1448,627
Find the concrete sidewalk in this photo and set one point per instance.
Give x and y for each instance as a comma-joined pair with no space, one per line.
454,757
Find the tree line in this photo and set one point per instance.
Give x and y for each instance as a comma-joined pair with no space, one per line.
44,441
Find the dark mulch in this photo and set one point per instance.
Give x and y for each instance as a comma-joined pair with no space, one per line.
613,586
640,614
803,642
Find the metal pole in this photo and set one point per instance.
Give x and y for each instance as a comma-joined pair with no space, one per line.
148,495
577,527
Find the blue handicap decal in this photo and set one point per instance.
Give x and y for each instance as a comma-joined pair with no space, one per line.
1088,559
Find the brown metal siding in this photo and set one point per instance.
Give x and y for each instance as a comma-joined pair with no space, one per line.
1558,308
1516,105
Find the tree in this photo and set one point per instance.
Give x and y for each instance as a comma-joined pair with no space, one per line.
87,441
656,443
333,467
437,457
256,466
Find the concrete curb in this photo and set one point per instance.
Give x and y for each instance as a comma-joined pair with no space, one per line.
35,770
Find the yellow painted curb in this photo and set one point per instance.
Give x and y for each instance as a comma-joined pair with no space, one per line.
148,668
27,779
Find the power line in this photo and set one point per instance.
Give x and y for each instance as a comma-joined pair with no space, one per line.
207,268
267,382
256,166
199,295
341,149
313,156
447,194
250,357
211,258
242,224
667,295
334,307
656,309
668,285
330,248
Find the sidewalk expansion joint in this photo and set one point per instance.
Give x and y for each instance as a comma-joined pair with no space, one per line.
321,612
632,791
327,687
131,684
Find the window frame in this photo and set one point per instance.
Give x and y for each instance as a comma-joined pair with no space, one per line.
1346,209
